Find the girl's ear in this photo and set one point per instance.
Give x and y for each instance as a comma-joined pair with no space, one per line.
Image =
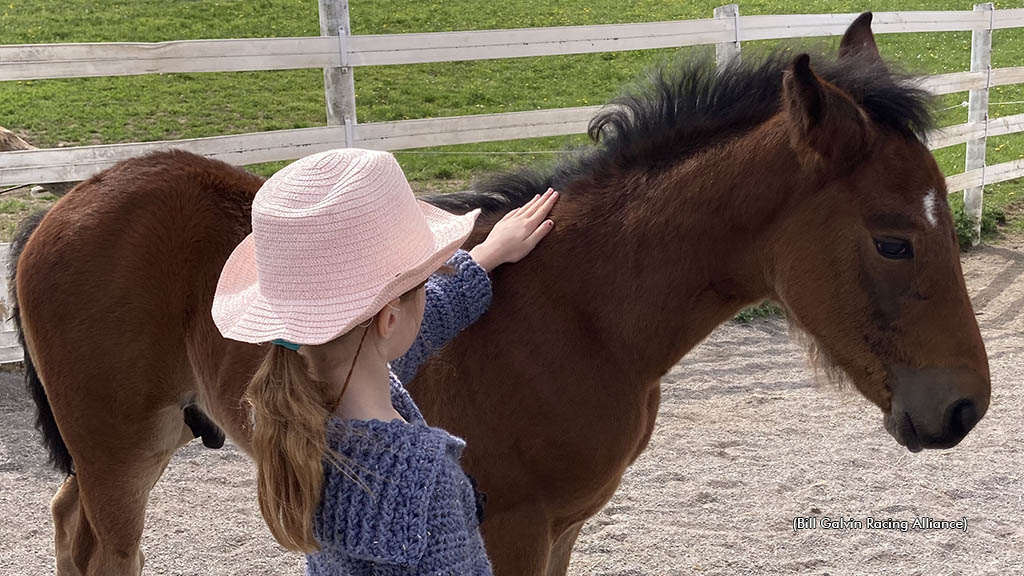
387,319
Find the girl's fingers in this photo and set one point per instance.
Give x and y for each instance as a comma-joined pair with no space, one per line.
543,209
518,211
533,239
532,206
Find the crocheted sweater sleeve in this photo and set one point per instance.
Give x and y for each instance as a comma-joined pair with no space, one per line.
453,302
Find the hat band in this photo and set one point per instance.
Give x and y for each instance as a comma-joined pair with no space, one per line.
286,344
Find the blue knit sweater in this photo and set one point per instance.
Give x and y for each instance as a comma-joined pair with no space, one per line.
402,505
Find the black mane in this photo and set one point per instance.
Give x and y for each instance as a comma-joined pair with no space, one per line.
681,108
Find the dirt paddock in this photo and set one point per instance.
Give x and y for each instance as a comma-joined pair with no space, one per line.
745,443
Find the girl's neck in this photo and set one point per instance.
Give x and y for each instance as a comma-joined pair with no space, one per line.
368,393
356,376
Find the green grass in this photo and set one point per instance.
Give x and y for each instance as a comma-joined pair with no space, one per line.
17,206
12,206
764,311
156,107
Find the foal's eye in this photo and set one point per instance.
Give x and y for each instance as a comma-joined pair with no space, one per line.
894,249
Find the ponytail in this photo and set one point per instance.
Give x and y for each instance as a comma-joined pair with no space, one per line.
289,440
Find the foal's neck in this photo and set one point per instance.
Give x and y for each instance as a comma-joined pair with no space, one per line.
692,247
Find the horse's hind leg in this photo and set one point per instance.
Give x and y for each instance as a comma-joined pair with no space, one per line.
561,550
65,509
99,512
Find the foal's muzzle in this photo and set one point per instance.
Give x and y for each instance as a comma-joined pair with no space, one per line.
935,408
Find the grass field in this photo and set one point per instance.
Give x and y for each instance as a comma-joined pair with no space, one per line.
157,107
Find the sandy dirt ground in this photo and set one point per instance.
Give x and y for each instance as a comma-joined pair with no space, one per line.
745,442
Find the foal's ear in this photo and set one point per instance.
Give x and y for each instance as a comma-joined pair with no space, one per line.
823,120
859,42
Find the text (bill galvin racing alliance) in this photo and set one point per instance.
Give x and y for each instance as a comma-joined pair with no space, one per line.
869,523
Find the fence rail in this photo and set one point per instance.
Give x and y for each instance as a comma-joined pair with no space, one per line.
10,349
69,164
41,61
343,52
44,61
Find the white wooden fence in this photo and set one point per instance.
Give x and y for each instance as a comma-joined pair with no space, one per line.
337,51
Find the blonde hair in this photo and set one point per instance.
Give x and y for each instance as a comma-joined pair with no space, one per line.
289,411
289,440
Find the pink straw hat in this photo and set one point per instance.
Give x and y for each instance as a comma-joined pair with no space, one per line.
335,236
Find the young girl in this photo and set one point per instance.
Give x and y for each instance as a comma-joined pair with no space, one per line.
335,275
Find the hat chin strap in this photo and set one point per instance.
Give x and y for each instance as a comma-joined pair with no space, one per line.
348,378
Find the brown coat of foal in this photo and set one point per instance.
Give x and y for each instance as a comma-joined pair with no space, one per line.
710,191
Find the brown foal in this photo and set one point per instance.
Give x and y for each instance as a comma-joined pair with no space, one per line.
709,191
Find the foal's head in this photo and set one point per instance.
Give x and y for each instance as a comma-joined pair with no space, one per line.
866,261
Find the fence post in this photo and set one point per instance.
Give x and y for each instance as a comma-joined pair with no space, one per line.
726,51
339,89
981,61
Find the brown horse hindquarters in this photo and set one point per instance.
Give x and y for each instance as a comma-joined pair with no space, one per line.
114,288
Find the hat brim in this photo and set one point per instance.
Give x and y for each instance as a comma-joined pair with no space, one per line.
242,312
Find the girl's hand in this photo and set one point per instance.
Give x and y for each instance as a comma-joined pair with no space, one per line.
517,234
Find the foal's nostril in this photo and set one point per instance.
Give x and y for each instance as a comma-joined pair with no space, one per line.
962,417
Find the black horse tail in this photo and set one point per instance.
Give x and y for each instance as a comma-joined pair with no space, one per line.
60,458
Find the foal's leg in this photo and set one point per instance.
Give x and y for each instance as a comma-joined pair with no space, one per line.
518,542
99,513
561,550
65,509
